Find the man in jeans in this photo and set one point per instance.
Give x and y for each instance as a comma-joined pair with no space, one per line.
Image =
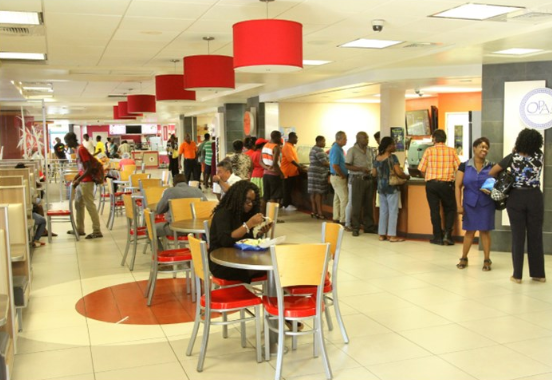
84,186
359,163
338,178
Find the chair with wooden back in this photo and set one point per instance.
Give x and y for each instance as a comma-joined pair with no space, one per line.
134,232
180,209
152,195
127,171
272,209
165,177
180,259
297,265
145,183
204,209
224,300
116,203
136,178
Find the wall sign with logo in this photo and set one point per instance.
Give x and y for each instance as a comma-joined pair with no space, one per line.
535,109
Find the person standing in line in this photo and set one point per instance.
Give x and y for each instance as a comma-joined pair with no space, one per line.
525,203
258,171
188,149
476,207
317,184
291,168
100,147
84,185
359,164
201,156
389,196
270,161
88,144
242,166
438,166
377,137
338,179
172,152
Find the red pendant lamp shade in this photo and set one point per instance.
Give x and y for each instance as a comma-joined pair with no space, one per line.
116,115
141,103
268,46
209,72
171,87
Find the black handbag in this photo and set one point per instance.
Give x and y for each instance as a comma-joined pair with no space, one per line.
501,189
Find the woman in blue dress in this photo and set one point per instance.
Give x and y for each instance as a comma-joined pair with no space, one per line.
476,206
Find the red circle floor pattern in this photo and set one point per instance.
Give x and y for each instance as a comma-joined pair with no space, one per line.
114,304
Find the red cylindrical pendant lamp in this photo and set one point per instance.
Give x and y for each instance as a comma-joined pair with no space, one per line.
141,103
268,45
117,116
171,87
209,72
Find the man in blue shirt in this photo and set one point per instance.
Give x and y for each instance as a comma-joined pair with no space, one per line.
338,177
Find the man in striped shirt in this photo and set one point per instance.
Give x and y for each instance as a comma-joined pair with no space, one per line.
438,166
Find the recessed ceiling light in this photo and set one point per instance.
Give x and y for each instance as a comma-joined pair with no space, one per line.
370,44
25,56
476,11
314,62
518,51
20,18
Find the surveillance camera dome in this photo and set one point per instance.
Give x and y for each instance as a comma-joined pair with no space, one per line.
377,25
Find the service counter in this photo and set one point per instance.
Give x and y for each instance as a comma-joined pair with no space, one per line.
414,220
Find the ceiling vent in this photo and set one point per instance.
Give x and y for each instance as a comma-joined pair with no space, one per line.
19,31
116,95
420,45
532,16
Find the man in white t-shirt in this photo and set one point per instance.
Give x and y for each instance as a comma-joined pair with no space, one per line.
88,144
224,178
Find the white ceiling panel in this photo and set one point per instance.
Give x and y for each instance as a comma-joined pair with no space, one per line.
97,7
155,24
248,10
167,9
81,28
313,13
22,5
30,44
146,35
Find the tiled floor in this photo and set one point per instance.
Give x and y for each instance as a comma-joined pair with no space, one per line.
409,312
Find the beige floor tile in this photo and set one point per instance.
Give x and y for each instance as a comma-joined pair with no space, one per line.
369,303
165,371
38,320
428,296
52,364
61,303
52,339
359,373
544,376
539,318
428,368
515,303
539,349
464,310
87,376
356,288
447,338
54,287
110,333
358,326
506,329
495,363
383,348
134,354
408,318
397,284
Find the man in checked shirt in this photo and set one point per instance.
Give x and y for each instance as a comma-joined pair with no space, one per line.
438,166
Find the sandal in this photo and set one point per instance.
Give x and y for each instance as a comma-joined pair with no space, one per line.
94,235
463,263
395,239
487,265
382,238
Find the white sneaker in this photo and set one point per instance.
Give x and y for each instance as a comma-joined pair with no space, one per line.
291,208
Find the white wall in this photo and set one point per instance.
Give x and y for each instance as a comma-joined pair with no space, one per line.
313,119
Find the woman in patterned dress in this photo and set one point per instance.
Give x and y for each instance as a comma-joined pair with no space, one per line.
318,176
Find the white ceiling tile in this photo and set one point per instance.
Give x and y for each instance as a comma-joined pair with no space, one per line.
80,27
21,5
98,7
313,13
30,44
155,24
167,9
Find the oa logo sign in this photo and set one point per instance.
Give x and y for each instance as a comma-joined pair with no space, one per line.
535,108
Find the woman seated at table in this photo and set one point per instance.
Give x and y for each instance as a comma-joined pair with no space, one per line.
234,219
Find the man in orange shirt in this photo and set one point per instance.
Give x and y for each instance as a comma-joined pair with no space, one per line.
290,168
438,166
189,150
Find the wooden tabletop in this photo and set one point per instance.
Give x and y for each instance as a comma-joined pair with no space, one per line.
190,226
236,258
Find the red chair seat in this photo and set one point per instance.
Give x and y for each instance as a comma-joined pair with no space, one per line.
232,298
58,213
173,255
222,282
294,307
141,231
139,202
160,218
296,290
180,238
118,193
119,204
106,195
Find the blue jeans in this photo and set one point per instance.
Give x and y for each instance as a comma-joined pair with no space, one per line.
40,223
389,213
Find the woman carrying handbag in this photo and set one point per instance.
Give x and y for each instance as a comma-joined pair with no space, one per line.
388,171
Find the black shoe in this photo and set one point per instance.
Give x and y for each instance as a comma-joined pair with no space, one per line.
436,241
71,232
355,233
94,236
447,240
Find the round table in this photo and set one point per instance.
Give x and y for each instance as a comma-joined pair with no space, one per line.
189,226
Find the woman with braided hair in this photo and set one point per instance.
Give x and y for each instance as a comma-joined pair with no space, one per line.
234,219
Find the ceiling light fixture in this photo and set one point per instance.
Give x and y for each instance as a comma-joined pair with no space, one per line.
117,116
141,103
314,62
209,72
22,56
268,45
20,18
364,43
476,11
518,51
170,87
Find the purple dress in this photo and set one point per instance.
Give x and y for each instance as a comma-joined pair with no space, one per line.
479,208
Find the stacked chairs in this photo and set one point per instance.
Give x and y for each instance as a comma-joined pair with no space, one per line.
179,259
225,300
297,265
135,233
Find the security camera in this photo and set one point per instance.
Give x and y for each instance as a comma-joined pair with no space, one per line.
377,25
419,92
